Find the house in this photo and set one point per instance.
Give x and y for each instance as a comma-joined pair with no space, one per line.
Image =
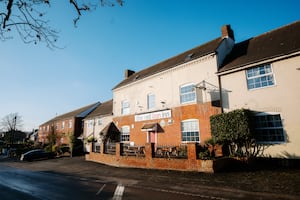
262,74
65,125
33,136
171,102
97,124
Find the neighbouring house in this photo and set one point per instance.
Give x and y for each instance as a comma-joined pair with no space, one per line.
261,74
15,136
171,102
65,125
33,136
96,126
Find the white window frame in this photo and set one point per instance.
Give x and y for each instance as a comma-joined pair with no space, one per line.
271,126
125,134
63,125
125,107
70,123
90,123
186,96
99,121
151,101
261,76
190,129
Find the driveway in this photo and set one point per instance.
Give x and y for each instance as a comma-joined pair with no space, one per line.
267,184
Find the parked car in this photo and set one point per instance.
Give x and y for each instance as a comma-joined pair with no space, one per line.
37,154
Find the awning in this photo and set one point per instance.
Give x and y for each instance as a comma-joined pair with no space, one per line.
151,127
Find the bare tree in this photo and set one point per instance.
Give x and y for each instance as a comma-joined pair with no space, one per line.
11,122
27,18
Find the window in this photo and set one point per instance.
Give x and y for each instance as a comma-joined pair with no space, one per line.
187,93
125,108
150,101
268,128
125,134
190,131
90,123
99,121
63,125
70,123
259,77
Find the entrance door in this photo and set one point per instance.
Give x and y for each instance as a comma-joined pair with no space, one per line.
151,136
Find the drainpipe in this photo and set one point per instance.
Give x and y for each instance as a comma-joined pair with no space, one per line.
220,93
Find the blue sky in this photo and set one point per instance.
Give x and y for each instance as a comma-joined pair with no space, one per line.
40,83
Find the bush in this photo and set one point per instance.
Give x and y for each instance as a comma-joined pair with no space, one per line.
233,129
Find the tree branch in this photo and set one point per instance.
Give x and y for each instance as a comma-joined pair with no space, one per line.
8,7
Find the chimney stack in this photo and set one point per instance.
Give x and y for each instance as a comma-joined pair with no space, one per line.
128,73
227,32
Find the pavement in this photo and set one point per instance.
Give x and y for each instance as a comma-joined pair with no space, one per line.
267,184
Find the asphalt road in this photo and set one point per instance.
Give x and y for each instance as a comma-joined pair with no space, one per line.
75,178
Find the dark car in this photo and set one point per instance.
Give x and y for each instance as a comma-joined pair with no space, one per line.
37,154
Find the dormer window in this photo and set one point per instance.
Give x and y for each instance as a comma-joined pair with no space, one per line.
189,56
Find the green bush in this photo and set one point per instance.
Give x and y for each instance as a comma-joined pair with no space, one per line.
233,129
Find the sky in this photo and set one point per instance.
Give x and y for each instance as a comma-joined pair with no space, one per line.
39,83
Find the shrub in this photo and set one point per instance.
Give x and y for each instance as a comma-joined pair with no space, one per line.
233,129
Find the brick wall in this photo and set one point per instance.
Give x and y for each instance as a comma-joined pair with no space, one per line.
148,162
171,133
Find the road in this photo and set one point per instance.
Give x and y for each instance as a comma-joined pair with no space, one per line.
74,178
32,185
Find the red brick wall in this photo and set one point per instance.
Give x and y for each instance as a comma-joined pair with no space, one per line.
189,164
171,133
61,133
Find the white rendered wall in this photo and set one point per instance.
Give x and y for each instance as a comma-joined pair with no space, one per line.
283,98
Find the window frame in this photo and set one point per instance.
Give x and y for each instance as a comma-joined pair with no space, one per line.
257,73
271,126
70,123
150,101
125,110
194,128
99,121
184,95
125,134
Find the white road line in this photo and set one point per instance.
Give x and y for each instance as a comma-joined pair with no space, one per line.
119,192
100,190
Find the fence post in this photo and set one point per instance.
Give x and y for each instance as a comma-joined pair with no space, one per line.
102,147
149,151
191,151
118,150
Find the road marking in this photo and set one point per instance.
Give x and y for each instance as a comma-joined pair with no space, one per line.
100,190
119,192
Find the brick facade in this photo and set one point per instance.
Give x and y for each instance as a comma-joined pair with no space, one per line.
170,133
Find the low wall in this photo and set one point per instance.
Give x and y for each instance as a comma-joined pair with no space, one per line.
149,162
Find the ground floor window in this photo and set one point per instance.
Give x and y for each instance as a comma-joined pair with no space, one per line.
190,131
125,134
268,128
